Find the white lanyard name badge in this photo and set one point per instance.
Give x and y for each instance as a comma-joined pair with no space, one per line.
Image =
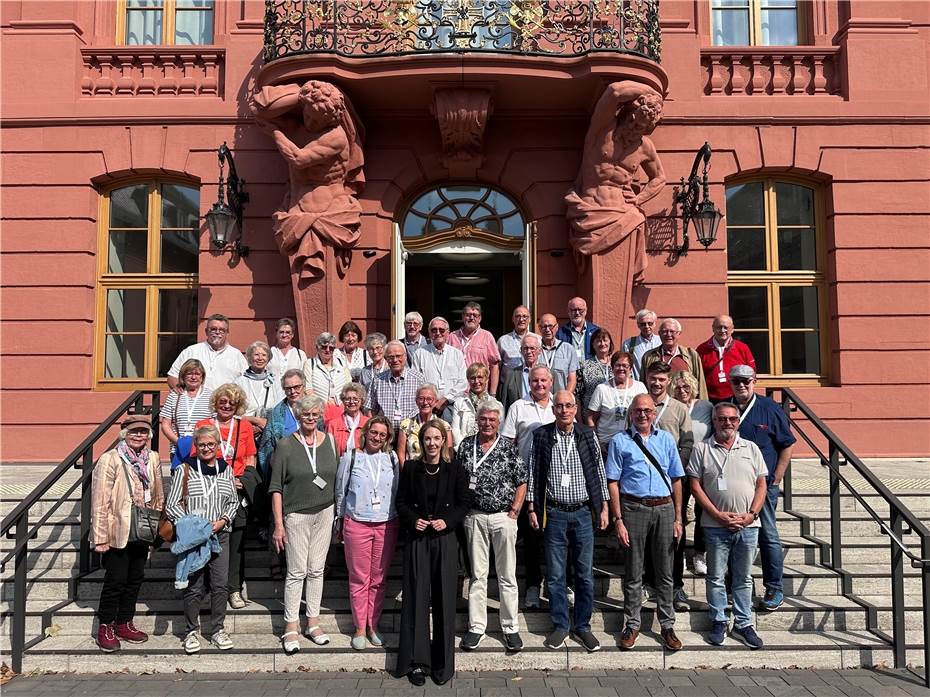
620,412
191,405
226,444
375,473
566,481
664,407
721,375
146,493
721,475
473,481
752,403
440,362
311,457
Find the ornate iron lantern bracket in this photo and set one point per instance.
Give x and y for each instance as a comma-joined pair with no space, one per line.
225,220
696,206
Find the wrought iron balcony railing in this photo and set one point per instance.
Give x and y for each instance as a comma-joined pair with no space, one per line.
361,28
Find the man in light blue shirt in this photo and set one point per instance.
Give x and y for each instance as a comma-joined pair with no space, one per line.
645,500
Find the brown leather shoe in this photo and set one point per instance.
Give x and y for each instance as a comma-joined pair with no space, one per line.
628,638
670,640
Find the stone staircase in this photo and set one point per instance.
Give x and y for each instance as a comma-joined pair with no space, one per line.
816,627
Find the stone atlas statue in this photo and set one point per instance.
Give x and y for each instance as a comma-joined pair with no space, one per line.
319,135
604,209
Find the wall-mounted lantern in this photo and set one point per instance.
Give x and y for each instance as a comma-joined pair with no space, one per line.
225,220
702,213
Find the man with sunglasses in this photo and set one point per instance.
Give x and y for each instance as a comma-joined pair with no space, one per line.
442,365
763,422
727,475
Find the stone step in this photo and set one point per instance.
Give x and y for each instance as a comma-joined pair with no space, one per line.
800,579
63,554
783,649
166,616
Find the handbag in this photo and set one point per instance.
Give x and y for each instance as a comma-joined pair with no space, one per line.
143,521
166,529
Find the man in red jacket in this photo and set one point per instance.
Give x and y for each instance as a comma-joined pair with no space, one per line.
720,353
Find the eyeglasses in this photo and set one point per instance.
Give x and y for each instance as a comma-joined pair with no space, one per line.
311,415
742,381
521,316
577,310
437,330
524,349
563,407
378,435
350,400
643,411
226,403
138,432
726,419
622,366
294,388
327,347
471,315
547,326
217,330
206,446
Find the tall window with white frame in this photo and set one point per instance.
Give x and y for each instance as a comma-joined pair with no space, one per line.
165,22
757,22
147,280
775,275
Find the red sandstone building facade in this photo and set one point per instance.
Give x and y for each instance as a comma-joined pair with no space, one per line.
471,121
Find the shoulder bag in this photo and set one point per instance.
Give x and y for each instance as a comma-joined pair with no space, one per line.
166,529
143,521
653,462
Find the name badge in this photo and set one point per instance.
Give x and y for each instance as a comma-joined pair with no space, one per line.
721,484
721,376
375,503
320,482
398,414
620,412
147,496
566,480
473,483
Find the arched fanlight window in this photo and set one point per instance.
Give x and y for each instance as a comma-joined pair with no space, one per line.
464,211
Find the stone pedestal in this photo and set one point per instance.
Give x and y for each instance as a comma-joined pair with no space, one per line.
608,283
322,305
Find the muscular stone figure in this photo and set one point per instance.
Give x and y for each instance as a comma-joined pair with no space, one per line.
321,144
604,209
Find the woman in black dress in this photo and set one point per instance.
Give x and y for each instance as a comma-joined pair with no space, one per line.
432,499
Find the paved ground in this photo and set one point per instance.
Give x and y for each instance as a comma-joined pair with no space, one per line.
640,683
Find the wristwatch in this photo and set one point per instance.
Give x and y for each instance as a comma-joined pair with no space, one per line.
755,516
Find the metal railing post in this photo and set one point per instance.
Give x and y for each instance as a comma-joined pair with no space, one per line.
897,592
18,631
836,513
925,583
87,464
156,412
786,488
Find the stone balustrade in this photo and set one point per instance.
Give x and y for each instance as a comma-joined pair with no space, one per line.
181,71
734,70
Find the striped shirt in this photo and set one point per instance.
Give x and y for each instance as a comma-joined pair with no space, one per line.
210,494
185,411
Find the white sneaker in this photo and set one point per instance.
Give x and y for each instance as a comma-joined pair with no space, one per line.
700,564
570,594
532,597
221,640
191,643
236,601
649,594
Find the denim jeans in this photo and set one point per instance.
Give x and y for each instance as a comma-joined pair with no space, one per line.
770,543
733,552
570,531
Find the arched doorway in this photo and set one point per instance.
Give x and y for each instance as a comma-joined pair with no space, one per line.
459,243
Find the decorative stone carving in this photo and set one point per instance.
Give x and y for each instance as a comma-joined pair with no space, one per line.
319,135
605,208
769,70
462,115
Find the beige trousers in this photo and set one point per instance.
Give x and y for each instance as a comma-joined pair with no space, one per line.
308,538
485,531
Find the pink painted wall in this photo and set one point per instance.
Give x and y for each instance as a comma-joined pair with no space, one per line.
862,134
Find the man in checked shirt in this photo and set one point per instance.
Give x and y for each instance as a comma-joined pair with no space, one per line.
567,492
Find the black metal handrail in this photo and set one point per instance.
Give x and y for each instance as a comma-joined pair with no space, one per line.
901,521
82,458
365,28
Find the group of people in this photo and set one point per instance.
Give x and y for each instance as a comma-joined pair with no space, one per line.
456,441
